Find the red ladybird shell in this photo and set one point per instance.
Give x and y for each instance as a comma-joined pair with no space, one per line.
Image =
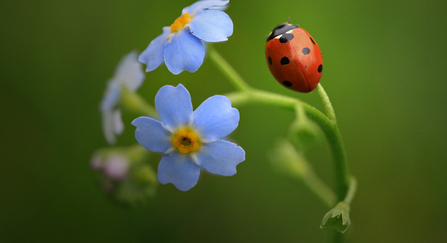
294,58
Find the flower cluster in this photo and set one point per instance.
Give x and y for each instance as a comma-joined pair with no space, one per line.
181,45
190,140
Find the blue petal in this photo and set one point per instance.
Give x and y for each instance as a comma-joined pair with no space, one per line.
184,52
206,4
220,157
129,73
215,118
152,135
174,106
112,124
178,169
111,96
118,125
108,126
154,54
211,26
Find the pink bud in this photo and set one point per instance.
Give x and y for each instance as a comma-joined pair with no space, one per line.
116,167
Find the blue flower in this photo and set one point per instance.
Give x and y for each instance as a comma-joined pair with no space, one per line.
128,75
181,45
190,140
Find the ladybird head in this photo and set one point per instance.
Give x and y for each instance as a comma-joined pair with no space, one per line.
281,29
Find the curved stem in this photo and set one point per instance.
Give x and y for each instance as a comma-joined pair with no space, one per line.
236,80
135,103
351,191
327,103
337,147
327,123
341,168
319,188
330,129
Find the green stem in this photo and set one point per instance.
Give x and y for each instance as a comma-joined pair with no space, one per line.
327,103
328,124
319,188
236,80
248,95
330,129
133,102
137,152
338,237
255,96
351,191
289,161
341,168
336,143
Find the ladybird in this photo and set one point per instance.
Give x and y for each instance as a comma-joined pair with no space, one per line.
294,58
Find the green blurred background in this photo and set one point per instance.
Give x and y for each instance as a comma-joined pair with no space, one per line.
384,72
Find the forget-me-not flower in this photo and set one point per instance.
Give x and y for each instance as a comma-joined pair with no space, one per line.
181,45
128,75
190,140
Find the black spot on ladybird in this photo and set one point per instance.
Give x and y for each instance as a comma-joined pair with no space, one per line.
284,61
287,83
320,68
281,29
285,38
305,51
270,60
312,40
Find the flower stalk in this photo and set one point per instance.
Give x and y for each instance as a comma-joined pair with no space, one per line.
134,103
345,184
330,113
290,162
330,129
192,140
235,79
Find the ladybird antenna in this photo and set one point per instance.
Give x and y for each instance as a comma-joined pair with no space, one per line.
288,20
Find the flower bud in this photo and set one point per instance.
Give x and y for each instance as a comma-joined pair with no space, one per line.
337,218
116,167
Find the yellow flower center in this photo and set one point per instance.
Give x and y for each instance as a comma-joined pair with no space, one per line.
180,22
186,141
